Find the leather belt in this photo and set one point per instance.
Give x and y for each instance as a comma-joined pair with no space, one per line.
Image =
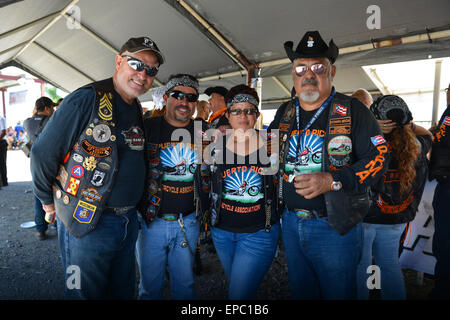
171,216
309,214
118,211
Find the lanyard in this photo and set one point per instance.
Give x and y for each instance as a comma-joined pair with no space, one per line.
316,115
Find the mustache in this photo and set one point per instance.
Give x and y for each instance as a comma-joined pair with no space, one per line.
181,106
312,81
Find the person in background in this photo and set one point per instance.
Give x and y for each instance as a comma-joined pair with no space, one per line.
396,200
440,170
217,104
3,152
203,110
364,96
33,127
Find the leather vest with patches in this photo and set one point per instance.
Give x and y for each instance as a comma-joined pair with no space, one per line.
344,209
86,177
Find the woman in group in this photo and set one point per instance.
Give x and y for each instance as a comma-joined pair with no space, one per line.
245,226
396,199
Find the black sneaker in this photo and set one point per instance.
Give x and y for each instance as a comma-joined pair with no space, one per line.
41,235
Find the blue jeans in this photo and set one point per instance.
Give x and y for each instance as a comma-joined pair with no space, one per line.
39,216
441,241
105,258
381,241
246,258
158,245
321,263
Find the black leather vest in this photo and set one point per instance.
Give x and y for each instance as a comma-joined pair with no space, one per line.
86,177
344,209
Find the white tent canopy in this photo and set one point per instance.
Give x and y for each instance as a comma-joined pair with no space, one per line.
71,43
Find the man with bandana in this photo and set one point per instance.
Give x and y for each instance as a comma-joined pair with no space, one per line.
88,166
170,219
331,151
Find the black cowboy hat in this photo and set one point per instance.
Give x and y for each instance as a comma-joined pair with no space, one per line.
312,46
390,107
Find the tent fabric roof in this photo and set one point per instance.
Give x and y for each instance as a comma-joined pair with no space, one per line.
69,55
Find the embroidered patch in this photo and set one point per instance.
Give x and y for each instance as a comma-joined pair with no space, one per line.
72,187
95,151
340,145
77,157
77,171
97,178
105,108
446,121
377,140
91,195
101,133
153,199
62,176
340,110
84,212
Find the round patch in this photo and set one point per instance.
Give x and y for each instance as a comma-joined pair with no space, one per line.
113,138
77,171
89,132
58,194
102,133
66,199
340,146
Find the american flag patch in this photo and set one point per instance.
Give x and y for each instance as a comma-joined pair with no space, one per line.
446,121
340,109
377,140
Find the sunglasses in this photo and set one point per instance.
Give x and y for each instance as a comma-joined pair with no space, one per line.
180,95
247,112
138,65
317,68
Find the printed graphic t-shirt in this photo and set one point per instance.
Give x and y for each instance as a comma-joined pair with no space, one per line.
179,160
242,208
305,156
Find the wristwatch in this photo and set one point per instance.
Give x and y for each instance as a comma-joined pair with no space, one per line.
336,186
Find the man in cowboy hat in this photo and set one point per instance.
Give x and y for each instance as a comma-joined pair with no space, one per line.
323,195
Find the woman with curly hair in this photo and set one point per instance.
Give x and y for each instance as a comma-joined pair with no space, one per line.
396,199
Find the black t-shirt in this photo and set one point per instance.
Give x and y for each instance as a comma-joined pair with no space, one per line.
129,181
242,208
179,160
305,156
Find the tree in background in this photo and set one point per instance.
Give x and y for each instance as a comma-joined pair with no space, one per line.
51,92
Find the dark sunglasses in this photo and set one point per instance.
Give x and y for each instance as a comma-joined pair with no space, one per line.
247,112
180,95
138,65
317,68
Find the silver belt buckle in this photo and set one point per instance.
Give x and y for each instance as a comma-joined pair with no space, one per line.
122,210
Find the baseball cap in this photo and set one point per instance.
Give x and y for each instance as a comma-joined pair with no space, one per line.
134,45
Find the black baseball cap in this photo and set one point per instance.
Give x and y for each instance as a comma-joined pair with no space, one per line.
220,90
134,45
